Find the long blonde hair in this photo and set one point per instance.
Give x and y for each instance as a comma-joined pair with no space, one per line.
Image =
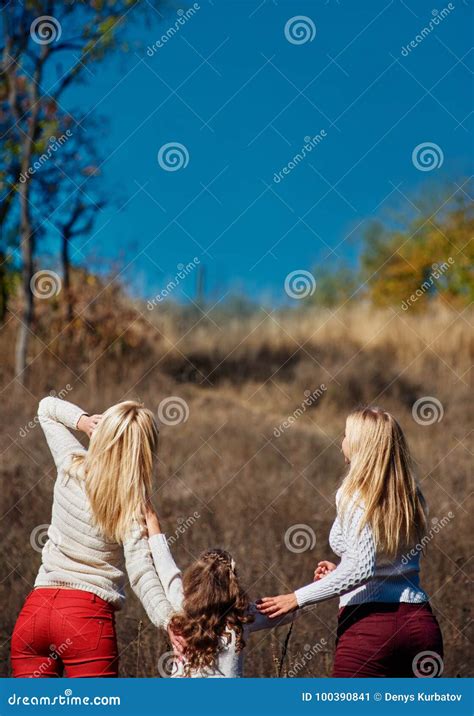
381,480
118,467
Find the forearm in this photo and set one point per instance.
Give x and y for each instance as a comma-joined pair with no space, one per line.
348,575
60,411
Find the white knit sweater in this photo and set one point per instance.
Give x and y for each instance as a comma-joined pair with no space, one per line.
362,576
229,660
76,554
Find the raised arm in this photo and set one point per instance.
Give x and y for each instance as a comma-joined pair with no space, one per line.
168,572
144,580
55,417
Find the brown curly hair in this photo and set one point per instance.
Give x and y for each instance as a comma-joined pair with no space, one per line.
214,605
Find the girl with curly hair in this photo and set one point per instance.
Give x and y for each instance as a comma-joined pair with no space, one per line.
212,613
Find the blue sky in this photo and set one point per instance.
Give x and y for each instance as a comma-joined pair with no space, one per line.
241,98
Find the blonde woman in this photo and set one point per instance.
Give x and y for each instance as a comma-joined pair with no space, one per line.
385,621
95,537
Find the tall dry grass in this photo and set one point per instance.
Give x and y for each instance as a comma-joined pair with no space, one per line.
241,379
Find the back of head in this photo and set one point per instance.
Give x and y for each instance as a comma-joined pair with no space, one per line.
214,604
118,467
381,477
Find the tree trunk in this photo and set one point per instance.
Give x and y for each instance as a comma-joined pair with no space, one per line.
66,265
27,252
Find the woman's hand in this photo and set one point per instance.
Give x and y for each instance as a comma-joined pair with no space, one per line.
178,643
278,606
151,519
323,569
88,423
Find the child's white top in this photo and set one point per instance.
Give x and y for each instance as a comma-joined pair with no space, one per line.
362,576
229,661
76,554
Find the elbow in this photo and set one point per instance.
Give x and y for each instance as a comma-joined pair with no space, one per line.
43,406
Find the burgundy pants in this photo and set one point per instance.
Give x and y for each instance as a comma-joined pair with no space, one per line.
66,630
393,640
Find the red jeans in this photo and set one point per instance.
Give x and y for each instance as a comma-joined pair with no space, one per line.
64,629
394,640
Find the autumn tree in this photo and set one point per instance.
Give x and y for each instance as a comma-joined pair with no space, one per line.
53,40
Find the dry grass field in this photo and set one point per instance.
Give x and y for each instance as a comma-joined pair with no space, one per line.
241,379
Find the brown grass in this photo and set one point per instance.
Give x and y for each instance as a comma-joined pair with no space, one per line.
241,379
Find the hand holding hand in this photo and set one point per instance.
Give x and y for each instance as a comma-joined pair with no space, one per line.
151,519
178,643
278,606
88,423
323,569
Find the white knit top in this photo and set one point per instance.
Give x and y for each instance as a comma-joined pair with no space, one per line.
229,661
76,554
362,576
